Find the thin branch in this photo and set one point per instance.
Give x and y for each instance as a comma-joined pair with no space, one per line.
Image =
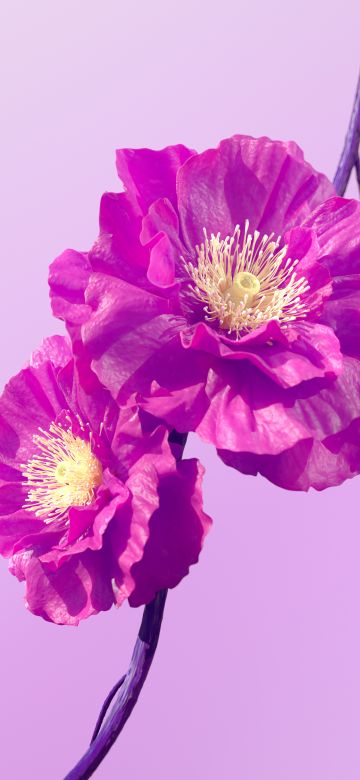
350,154
106,706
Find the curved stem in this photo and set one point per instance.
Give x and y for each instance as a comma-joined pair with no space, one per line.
129,691
350,154
125,693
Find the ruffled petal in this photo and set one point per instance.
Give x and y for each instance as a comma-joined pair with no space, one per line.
68,276
266,182
248,412
310,463
306,351
16,527
342,314
78,589
148,174
118,250
31,400
126,321
137,434
160,233
177,532
87,525
130,530
331,451
337,226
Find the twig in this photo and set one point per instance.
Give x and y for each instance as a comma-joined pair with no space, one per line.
350,155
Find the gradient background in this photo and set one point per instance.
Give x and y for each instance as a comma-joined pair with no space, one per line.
257,674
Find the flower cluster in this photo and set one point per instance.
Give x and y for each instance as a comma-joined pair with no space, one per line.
221,296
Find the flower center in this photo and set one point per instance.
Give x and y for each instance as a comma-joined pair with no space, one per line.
64,473
244,281
244,285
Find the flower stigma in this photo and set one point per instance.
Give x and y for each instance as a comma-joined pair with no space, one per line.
244,281
63,473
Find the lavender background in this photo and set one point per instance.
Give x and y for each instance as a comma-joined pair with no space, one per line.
257,674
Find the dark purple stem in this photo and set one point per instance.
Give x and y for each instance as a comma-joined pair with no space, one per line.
350,155
357,168
129,691
125,693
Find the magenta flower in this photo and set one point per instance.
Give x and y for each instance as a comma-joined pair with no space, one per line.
223,295
94,509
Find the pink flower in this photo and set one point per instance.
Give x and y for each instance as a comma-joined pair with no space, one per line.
94,508
223,295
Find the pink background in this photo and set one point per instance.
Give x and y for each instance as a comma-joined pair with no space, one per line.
257,675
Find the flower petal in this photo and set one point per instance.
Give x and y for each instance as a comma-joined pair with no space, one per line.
266,182
130,530
337,225
68,276
177,532
126,321
310,350
148,174
77,590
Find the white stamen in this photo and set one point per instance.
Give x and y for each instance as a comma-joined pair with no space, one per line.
64,473
244,284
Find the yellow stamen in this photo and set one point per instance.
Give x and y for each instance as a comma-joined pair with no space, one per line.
64,473
244,284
